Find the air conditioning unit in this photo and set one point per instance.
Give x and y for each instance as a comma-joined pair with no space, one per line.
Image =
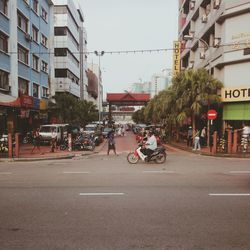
204,18
191,5
191,64
216,4
202,55
217,41
28,37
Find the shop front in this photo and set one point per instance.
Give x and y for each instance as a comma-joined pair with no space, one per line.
236,106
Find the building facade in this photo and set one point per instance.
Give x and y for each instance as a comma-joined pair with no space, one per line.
215,34
70,42
26,37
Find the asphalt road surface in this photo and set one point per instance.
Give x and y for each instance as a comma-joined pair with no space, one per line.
102,202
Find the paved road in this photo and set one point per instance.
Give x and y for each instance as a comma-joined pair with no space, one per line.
102,202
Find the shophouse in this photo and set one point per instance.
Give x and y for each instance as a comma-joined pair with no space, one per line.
215,34
26,37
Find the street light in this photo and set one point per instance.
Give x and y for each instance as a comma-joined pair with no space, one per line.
190,37
99,54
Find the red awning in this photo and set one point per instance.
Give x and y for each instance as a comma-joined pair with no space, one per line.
9,101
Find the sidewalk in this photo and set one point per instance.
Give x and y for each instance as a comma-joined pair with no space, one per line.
45,154
205,151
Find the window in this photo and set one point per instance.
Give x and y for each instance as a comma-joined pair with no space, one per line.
22,22
3,42
60,73
60,52
60,31
44,40
35,62
45,92
23,87
35,6
35,90
44,15
4,6
4,80
23,54
35,33
44,66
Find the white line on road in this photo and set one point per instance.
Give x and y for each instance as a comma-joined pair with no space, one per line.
5,173
158,171
240,172
230,194
76,172
99,194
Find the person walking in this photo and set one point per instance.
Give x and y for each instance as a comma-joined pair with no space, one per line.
197,145
36,140
111,142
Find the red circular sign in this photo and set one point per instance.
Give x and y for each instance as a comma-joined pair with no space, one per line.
211,114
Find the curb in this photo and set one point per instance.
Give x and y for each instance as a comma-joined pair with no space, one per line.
69,156
62,157
209,154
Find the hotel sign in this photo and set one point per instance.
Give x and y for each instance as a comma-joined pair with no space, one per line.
176,58
235,94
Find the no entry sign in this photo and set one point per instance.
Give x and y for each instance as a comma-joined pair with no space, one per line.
211,114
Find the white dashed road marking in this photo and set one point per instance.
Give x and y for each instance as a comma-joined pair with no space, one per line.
5,173
76,172
230,194
100,194
158,172
240,172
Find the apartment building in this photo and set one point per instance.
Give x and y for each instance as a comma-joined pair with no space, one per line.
70,42
25,62
215,34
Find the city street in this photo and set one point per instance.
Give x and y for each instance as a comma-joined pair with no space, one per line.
102,202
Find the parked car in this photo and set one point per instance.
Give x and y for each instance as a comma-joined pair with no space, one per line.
106,131
96,130
46,131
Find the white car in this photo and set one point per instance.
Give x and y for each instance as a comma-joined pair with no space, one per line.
46,131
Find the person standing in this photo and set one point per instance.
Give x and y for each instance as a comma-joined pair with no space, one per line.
203,136
111,142
189,136
197,145
36,140
53,140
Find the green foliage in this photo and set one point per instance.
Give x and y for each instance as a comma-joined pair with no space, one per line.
190,92
72,110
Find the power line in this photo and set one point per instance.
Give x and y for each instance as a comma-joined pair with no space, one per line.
236,45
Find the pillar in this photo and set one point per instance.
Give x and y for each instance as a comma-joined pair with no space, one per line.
235,141
229,141
214,148
17,145
10,149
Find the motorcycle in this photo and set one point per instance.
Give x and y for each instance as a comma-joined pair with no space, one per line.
65,143
158,156
89,142
27,138
4,145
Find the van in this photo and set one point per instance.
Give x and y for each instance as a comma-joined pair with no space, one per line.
46,131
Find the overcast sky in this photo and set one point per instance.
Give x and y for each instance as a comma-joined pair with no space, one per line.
130,25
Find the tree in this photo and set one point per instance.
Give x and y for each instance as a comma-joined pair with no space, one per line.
75,111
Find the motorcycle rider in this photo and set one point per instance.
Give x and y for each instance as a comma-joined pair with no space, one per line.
150,145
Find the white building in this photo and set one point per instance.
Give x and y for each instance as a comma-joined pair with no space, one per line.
220,42
99,99
70,44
